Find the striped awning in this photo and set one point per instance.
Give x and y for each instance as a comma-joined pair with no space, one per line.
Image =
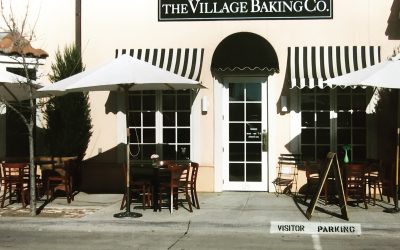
311,66
184,62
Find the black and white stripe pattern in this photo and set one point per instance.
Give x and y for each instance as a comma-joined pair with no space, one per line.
184,62
311,66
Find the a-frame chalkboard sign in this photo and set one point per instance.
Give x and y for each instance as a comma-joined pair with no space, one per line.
332,162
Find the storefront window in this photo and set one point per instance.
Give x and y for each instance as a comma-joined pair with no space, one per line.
159,123
320,133
315,132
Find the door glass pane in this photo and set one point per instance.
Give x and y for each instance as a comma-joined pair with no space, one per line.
236,151
253,92
253,172
253,112
236,111
236,92
253,131
236,132
236,172
253,151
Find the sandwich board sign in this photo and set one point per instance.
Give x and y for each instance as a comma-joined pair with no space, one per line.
332,163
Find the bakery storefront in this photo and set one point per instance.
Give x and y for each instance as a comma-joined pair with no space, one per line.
263,63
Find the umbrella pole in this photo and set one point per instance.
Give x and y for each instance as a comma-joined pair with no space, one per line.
396,191
128,212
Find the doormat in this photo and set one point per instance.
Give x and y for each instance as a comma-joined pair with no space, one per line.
47,212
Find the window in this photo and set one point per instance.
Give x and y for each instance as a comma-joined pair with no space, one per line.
159,123
331,118
351,121
315,123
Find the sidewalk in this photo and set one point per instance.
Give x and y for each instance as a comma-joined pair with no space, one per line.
249,211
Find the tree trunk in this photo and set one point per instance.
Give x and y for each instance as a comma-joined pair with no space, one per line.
32,167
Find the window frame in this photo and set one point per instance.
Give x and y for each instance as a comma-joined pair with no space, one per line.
138,154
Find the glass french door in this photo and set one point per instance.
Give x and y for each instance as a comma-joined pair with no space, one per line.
245,137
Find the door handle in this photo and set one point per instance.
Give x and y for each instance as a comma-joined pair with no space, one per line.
264,139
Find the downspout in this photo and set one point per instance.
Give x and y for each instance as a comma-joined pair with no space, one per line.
78,25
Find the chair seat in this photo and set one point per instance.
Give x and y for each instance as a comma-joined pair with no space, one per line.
61,179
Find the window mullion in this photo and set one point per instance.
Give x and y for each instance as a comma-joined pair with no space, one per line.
159,119
333,122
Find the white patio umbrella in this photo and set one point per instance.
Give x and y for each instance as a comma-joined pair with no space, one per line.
382,75
124,73
13,87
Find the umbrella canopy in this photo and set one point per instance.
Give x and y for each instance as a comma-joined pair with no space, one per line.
13,87
383,75
124,73
124,70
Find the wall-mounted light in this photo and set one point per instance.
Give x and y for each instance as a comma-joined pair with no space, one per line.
284,107
204,104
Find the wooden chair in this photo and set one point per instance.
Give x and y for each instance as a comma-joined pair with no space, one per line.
355,183
287,173
137,185
14,182
178,179
192,183
183,186
312,175
376,180
61,179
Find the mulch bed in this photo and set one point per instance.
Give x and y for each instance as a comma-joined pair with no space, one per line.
47,212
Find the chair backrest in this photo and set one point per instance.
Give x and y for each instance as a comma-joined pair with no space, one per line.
194,170
287,165
176,171
14,171
355,173
185,174
312,170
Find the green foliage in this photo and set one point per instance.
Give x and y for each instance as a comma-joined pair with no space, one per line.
68,117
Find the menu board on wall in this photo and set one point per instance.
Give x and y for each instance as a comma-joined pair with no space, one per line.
205,10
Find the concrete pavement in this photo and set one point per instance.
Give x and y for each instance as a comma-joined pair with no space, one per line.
236,211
